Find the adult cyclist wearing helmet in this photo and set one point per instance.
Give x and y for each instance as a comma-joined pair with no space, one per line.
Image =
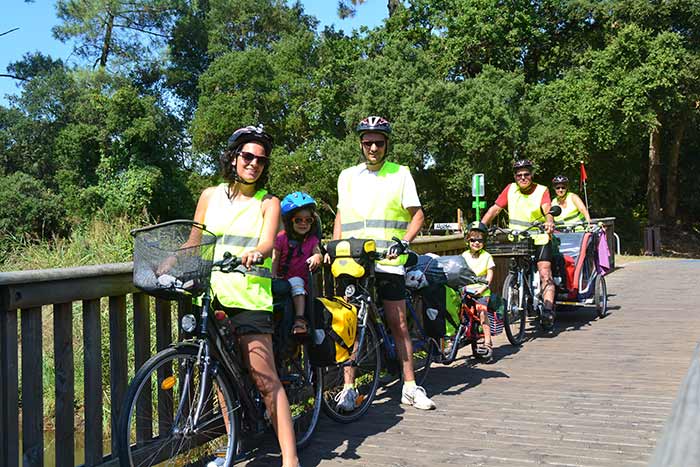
481,262
528,202
296,251
245,219
378,199
573,210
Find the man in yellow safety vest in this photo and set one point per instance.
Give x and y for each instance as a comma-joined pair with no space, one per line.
378,200
528,202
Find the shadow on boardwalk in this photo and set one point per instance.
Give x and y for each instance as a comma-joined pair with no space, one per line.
340,442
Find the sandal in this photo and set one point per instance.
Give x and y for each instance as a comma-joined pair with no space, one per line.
300,327
485,351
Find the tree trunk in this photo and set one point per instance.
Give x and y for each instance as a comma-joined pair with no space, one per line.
671,205
654,182
107,44
392,5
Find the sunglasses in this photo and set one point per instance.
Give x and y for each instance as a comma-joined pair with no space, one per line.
523,175
557,188
378,143
303,220
248,158
476,240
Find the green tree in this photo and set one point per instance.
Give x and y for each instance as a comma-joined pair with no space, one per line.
128,30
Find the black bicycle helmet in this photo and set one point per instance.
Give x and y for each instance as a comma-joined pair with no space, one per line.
250,133
478,226
374,124
560,180
522,164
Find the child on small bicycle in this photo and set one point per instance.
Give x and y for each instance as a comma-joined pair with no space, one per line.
481,262
296,252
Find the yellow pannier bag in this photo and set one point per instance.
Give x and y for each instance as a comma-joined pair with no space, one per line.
334,327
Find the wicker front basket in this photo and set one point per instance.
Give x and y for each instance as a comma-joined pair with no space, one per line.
502,245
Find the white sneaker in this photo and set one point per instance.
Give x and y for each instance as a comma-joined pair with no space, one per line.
346,400
217,462
417,398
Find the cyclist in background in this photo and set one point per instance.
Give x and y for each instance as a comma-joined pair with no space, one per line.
481,262
573,210
245,219
378,200
527,202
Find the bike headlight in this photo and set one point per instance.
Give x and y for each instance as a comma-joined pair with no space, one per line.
188,323
350,290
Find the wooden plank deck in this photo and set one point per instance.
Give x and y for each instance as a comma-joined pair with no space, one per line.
596,394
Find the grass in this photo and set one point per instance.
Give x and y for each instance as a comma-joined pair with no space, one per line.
98,242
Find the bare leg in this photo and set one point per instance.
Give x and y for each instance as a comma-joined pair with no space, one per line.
395,313
483,317
257,352
545,270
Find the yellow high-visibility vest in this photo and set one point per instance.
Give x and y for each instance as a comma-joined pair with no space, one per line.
569,214
238,227
524,209
374,210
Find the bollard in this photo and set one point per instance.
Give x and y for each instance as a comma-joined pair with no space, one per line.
652,241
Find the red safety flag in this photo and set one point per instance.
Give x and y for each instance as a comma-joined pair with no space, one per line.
584,177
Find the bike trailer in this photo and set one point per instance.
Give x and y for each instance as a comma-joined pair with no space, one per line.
578,250
333,329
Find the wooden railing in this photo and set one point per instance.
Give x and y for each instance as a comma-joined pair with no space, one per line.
679,443
27,298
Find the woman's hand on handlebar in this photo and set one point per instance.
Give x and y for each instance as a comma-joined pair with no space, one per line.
251,258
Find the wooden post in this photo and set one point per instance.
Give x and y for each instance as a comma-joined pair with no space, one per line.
679,443
9,383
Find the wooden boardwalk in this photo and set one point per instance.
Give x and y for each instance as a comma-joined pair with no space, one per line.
595,394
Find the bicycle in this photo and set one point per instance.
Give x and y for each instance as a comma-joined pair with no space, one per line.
521,287
468,332
374,343
206,400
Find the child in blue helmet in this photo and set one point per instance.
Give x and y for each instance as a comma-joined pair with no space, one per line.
296,251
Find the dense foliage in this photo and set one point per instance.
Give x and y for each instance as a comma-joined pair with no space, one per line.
467,84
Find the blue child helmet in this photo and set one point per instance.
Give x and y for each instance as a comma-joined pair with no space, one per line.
296,200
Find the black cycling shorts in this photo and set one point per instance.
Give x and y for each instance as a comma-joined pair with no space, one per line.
390,286
544,252
247,321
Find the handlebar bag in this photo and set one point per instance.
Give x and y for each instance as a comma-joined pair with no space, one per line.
351,257
334,328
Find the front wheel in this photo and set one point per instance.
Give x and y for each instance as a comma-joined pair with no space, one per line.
514,316
601,297
368,363
304,387
177,412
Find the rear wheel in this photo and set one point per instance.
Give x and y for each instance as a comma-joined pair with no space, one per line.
601,297
367,367
514,316
176,413
424,350
303,385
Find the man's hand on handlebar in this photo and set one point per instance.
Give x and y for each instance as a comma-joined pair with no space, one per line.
398,248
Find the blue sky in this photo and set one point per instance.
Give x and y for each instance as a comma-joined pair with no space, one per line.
35,21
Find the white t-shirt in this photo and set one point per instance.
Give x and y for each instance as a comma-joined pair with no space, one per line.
364,177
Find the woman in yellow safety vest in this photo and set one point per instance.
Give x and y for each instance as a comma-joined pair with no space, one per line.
573,210
245,219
